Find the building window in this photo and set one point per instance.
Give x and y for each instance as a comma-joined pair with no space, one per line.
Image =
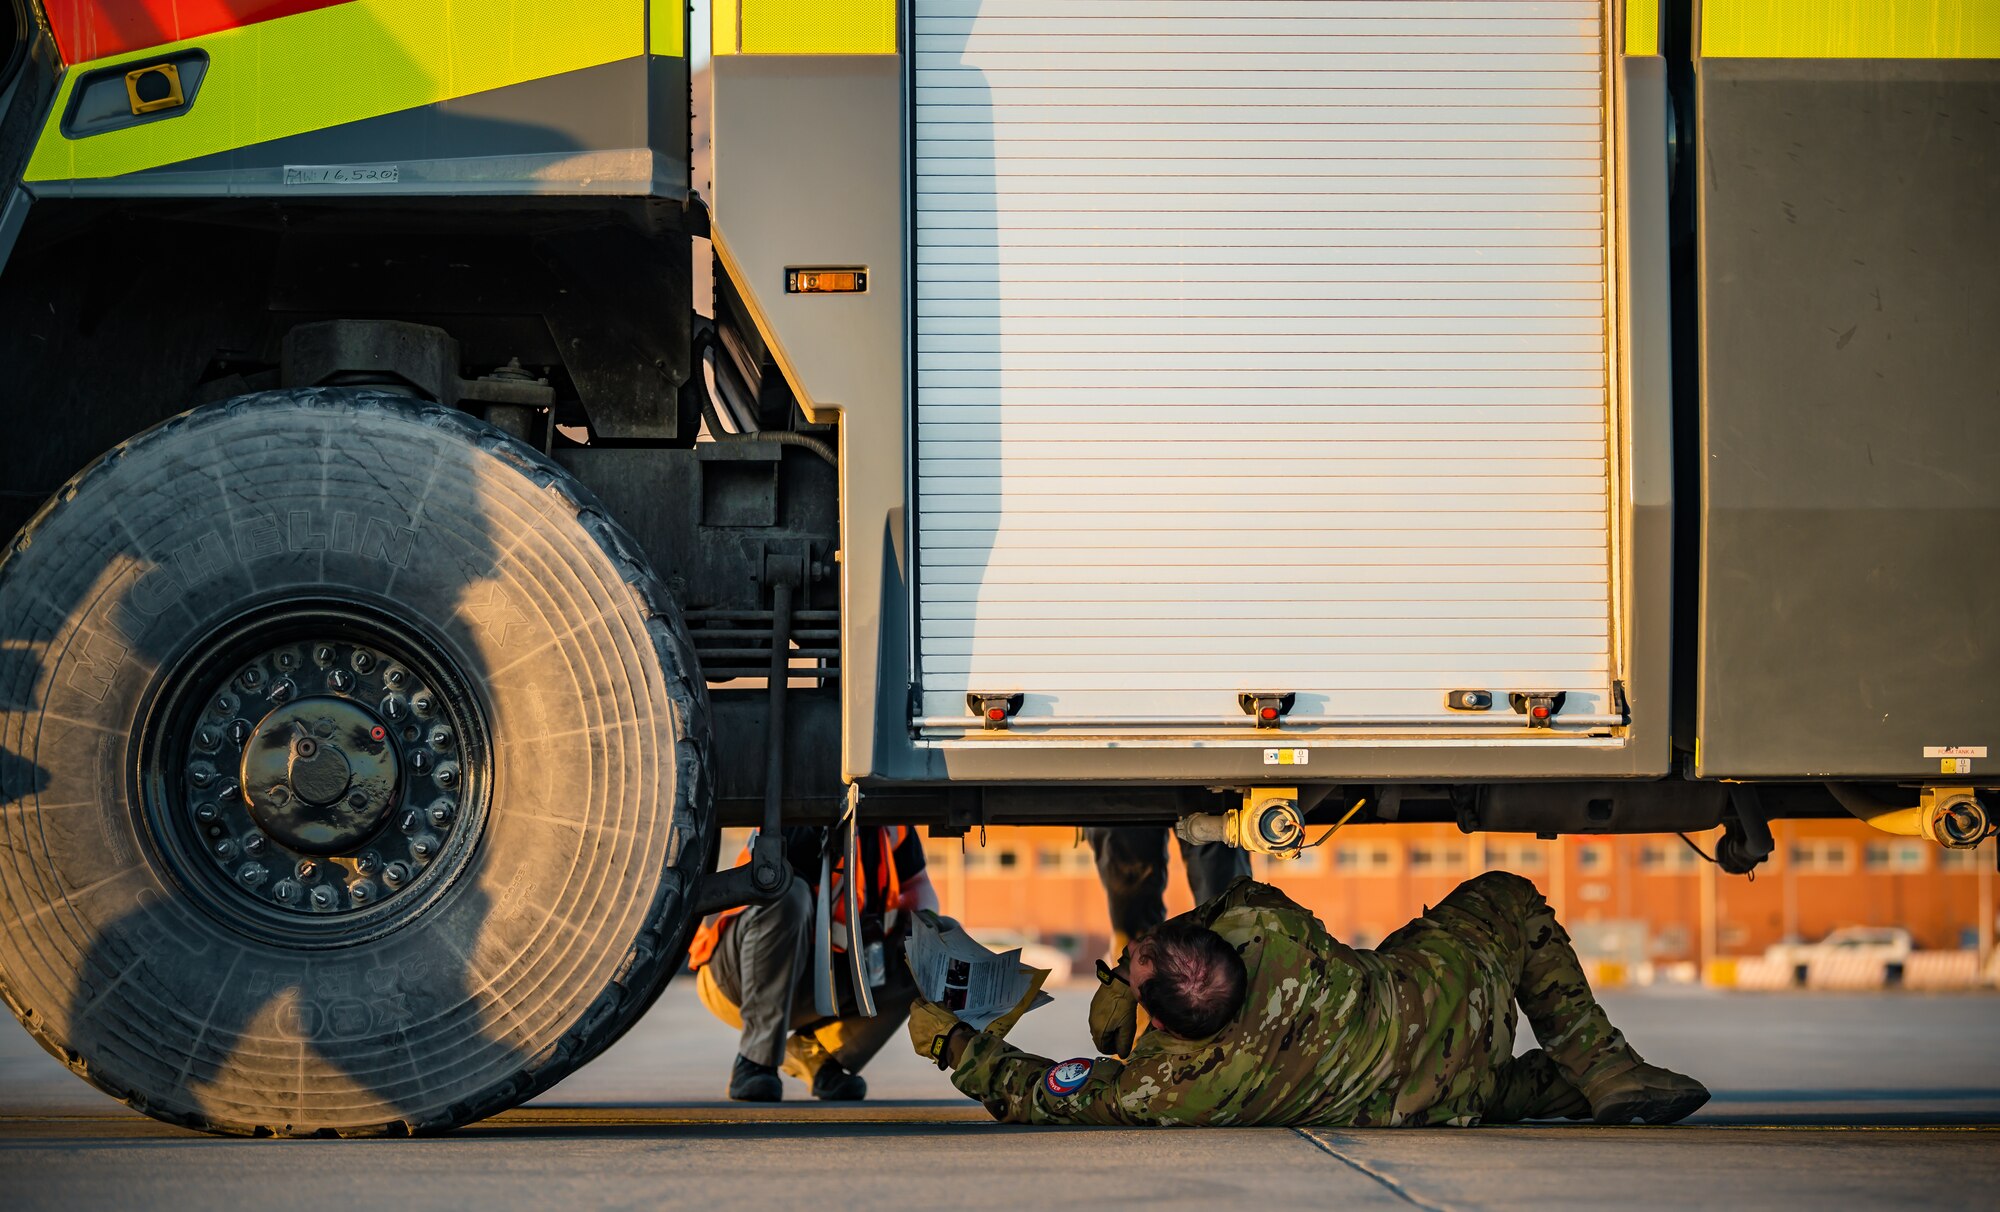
1895,857
1965,862
1822,856
1514,856
981,860
1436,858
1364,858
1667,858
1270,868
1593,858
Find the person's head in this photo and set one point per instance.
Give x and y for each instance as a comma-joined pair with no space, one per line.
1188,978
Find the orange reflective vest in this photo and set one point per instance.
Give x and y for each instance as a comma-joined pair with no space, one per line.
880,896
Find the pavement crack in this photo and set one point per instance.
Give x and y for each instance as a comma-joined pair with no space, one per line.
1394,1187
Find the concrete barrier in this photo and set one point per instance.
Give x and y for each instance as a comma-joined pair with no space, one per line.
1920,970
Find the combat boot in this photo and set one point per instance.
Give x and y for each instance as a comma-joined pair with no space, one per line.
1627,1088
750,1082
809,1061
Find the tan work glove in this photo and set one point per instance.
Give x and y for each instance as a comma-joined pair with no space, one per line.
1005,1023
930,1027
1114,1012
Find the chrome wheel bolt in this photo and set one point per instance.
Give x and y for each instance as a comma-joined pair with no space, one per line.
369,863
206,812
441,813
340,680
307,869
285,891
252,874
323,897
425,848
361,893
396,876
447,775
440,737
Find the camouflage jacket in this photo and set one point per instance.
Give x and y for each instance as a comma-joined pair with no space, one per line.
1327,1035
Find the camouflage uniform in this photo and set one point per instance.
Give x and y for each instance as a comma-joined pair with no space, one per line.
1419,1031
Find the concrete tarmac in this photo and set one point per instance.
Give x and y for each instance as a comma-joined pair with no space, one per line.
1821,1101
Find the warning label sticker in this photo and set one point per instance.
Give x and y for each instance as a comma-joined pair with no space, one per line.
1955,766
1955,751
1286,757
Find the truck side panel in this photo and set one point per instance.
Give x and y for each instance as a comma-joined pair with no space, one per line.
1850,594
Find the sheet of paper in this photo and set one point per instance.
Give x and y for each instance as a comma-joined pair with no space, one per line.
965,978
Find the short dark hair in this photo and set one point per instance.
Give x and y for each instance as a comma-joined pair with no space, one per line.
1198,980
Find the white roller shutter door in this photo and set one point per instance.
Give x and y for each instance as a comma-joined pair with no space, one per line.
1260,346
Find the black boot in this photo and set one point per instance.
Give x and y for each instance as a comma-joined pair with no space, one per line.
750,1082
833,1084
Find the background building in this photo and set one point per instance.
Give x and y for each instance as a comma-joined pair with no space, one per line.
1638,901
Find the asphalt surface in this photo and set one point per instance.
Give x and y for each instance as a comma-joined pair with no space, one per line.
1820,1101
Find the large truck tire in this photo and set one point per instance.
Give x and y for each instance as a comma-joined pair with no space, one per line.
352,770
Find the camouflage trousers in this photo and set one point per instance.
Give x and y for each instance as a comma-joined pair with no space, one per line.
1458,973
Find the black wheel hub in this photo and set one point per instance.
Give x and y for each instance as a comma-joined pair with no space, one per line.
316,767
321,774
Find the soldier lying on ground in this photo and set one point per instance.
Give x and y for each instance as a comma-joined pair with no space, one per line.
1262,1017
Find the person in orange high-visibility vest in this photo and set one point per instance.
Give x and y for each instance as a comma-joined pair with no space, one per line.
751,967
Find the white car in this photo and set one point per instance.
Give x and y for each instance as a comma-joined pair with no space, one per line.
1885,944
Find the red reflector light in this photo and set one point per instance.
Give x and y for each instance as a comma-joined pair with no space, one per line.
1541,713
1269,713
996,713
377,732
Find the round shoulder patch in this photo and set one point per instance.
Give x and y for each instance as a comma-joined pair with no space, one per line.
1068,1077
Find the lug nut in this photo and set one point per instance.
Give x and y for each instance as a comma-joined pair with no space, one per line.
323,897
361,892
447,774
201,774
340,680
409,822
225,705
281,690
394,676
422,704
254,844
206,739
369,863
205,812
363,661
307,869
323,654
288,661
441,737
397,875
252,874
441,813
285,891
239,732
225,849
251,678
229,789
393,708
420,761
425,848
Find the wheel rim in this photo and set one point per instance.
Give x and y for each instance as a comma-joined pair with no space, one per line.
315,773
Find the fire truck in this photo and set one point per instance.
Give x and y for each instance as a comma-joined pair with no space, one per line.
1567,416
